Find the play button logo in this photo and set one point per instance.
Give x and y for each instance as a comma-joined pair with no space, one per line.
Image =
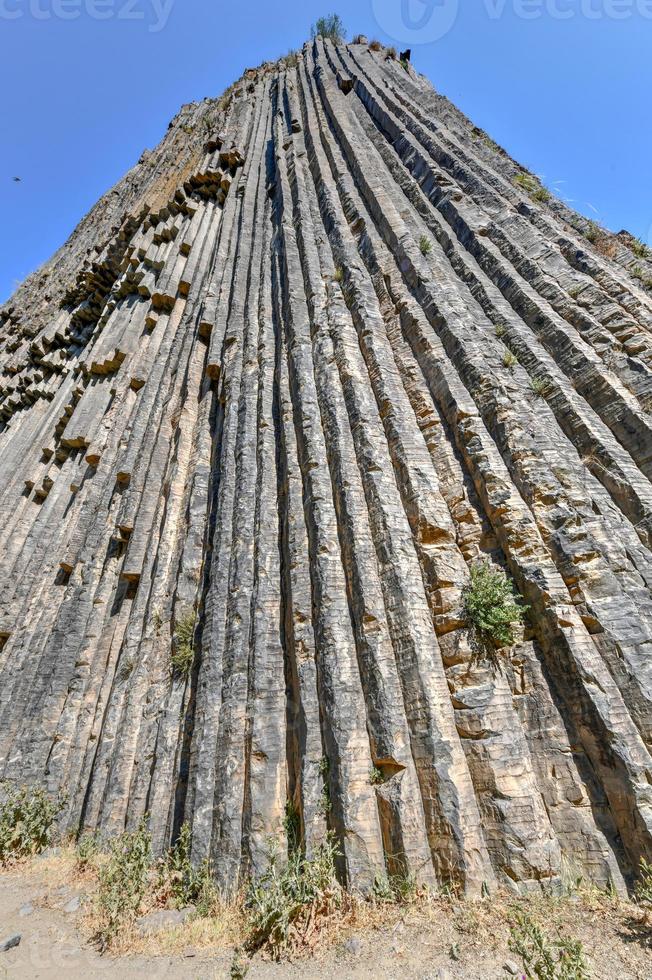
415,22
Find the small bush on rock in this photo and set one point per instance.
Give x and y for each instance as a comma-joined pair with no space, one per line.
491,610
532,186
640,248
330,26
183,651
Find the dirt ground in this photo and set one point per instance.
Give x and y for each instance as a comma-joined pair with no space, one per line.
442,940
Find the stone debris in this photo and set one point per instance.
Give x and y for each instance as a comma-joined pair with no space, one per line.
163,919
10,942
247,416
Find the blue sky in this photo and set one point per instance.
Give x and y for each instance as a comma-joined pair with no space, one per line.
564,85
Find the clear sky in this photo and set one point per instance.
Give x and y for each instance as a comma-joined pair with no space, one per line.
85,85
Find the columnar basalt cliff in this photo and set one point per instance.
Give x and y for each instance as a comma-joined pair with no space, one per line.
317,355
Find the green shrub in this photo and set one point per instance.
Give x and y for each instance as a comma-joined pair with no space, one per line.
88,847
183,650
539,386
391,54
292,826
487,140
330,26
644,883
27,818
637,273
544,958
639,248
397,889
339,274
541,194
286,902
376,776
491,609
123,883
592,232
405,64
425,245
532,186
325,806
180,884
510,360
500,330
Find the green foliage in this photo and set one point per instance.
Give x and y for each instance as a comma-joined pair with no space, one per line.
544,958
644,883
425,245
391,54
339,274
239,966
500,329
292,826
640,248
325,806
123,882
637,273
509,359
183,650
286,901
330,26
487,140
592,232
382,890
396,889
376,776
532,186
27,819
491,609
88,847
539,386
180,884
405,64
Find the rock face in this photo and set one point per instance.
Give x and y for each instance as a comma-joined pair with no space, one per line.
312,359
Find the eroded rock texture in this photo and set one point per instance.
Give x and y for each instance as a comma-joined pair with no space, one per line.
245,402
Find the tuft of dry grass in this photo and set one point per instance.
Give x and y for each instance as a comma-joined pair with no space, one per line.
223,928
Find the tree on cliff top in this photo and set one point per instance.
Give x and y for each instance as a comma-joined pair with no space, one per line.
330,26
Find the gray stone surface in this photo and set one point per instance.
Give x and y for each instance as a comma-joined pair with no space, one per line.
244,414
163,919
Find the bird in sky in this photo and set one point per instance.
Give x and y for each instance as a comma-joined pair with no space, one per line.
17,180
